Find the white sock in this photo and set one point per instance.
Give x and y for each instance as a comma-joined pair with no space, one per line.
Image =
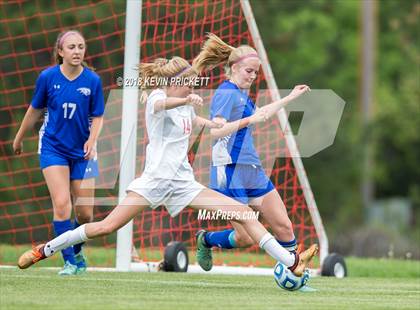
275,250
69,238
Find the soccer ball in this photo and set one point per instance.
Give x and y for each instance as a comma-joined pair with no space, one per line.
287,280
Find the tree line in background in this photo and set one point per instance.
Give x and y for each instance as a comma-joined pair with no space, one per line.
319,43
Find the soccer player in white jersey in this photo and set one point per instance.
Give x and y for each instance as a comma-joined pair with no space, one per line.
236,167
168,178
72,95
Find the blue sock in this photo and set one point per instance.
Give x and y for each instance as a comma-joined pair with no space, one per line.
77,247
223,239
59,228
290,246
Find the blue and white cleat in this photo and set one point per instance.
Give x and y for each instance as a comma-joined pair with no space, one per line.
68,269
81,264
307,289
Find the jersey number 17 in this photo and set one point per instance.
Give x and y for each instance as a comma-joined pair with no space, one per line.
66,107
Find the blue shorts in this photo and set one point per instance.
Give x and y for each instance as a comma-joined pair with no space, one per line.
79,168
241,182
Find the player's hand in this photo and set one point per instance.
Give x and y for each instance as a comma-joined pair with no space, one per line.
298,91
259,116
194,100
90,149
17,146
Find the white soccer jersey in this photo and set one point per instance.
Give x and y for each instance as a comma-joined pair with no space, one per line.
168,132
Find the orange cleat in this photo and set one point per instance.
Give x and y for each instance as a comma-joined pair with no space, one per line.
30,257
304,258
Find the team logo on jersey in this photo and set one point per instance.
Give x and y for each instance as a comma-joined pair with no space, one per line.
84,90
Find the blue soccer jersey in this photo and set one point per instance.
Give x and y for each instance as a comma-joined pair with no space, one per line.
70,107
232,104
236,168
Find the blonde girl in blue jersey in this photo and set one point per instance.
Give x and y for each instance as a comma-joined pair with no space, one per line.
236,168
71,94
168,177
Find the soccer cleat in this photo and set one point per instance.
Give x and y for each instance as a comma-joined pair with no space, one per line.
304,259
32,256
307,289
204,253
68,269
80,262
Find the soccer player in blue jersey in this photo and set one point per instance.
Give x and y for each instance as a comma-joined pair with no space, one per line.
236,168
71,94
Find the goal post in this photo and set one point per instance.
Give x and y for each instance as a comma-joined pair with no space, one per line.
128,126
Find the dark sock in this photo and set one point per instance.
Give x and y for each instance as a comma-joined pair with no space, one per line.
222,239
61,227
291,246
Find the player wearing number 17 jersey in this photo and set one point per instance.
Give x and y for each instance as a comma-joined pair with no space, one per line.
70,95
71,105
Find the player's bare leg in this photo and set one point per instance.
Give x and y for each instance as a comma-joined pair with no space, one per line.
121,215
58,181
132,205
274,213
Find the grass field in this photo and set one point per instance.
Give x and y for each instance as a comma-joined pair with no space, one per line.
43,289
372,284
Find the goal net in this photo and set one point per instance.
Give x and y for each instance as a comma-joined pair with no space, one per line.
168,28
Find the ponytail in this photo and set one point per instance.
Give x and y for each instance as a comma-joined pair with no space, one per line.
216,52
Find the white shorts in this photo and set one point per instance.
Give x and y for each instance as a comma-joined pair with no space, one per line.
175,195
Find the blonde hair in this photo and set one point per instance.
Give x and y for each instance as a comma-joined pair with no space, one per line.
59,46
215,52
164,68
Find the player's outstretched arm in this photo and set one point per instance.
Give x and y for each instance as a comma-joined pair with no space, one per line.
274,107
31,117
229,127
173,102
204,122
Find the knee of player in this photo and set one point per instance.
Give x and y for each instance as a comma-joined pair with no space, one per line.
61,204
243,241
83,218
62,212
283,225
